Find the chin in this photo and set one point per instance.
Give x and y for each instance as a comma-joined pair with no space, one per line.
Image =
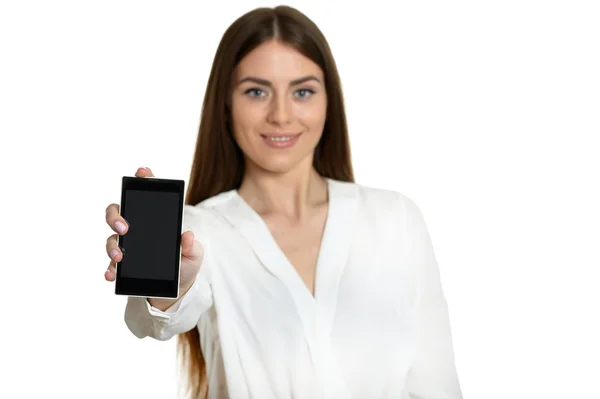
279,164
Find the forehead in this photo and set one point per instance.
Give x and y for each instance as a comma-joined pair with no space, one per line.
276,61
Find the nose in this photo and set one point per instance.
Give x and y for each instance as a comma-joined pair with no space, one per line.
280,112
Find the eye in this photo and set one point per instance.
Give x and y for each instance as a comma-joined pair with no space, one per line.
310,91
254,90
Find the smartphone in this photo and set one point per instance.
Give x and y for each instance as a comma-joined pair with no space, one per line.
151,248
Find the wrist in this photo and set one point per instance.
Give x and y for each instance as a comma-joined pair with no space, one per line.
163,304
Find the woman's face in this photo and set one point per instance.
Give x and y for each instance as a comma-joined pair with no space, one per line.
278,107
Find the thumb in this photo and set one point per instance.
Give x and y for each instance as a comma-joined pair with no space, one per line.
190,248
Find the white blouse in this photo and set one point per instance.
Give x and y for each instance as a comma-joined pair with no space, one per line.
377,326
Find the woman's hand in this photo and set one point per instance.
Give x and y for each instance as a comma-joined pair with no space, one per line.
192,251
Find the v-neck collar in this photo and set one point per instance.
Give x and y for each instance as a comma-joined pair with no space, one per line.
332,255
317,313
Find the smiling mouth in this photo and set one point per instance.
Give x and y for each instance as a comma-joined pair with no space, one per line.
280,137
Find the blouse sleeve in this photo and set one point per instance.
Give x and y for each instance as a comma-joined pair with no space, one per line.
144,320
433,373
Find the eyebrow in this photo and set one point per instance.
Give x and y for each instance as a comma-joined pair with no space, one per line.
269,84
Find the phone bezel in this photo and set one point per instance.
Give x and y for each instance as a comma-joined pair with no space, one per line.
150,288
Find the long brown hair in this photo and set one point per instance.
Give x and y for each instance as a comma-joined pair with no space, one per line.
218,164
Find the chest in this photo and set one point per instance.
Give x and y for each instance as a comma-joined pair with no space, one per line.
359,311
300,242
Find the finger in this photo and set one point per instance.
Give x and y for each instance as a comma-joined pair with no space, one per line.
112,249
144,172
111,273
115,221
190,248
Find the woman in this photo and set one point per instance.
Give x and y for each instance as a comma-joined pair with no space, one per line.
296,282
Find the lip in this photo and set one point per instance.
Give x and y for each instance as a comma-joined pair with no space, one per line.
281,144
279,134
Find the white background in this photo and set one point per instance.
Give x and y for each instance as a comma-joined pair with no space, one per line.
486,113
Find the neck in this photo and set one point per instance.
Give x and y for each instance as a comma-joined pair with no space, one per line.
291,193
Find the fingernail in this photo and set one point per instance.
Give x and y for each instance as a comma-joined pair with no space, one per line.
113,253
120,227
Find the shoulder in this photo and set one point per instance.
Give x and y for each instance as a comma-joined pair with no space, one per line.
211,203
376,199
203,216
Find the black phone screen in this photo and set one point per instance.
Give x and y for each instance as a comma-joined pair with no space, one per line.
153,208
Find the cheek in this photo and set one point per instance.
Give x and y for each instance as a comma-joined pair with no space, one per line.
244,120
313,117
